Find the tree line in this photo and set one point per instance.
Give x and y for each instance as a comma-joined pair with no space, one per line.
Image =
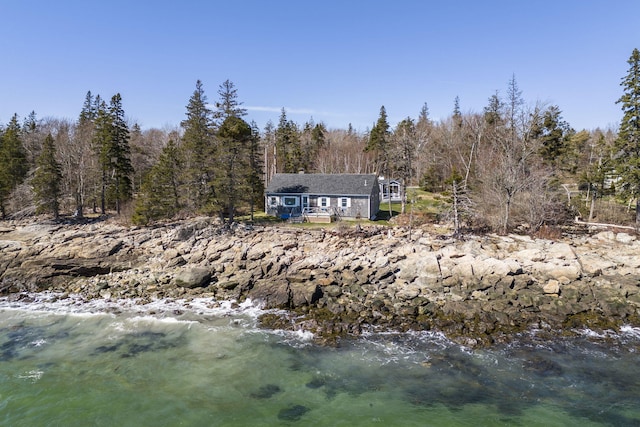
511,164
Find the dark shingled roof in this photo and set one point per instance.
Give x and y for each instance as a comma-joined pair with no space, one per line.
323,184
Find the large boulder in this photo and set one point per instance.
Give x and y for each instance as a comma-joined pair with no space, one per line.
192,277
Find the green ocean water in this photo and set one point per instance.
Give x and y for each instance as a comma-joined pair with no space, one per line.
68,363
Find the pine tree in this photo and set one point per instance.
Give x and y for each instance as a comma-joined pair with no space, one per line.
101,141
160,192
555,135
47,179
89,112
119,155
228,104
379,143
457,114
13,161
198,143
289,154
256,172
231,178
111,139
628,142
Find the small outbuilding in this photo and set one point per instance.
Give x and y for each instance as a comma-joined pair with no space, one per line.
322,197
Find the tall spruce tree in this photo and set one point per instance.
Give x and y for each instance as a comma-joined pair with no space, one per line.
233,172
256,172
628,142
111,140
199,144
160,192
47,179
13,161
289,153
101,138
119,155
228,104
380,144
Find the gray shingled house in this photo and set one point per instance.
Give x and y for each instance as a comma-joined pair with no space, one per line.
323,197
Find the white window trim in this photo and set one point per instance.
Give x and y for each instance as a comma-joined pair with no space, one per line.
273,201
341,203
321,201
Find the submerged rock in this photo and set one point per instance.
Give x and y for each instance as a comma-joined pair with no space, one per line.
292,413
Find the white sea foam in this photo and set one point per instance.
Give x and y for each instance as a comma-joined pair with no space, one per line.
630,331
34,375
167,311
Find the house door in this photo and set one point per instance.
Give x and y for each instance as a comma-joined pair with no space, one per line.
305,202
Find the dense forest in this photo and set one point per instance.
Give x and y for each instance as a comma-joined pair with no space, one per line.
513,164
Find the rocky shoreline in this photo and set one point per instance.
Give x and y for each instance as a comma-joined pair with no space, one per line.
342,281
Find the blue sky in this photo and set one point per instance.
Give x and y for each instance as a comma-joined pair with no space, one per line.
333,61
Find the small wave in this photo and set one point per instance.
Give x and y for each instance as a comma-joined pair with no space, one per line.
297,338
630,331
75,304
34,376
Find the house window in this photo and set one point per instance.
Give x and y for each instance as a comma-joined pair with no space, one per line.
305,201
290,201
324,202
273,201
345,202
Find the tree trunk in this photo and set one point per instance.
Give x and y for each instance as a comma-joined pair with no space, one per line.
593,205
79,208
507,210
456,222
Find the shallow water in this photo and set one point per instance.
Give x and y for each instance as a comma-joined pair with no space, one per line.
69,363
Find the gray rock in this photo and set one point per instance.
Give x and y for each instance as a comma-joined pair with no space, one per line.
192,277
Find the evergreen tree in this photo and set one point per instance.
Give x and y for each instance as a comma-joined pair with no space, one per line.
198,143
289,153
256,172
47,179
228,104
119,155
89,111
160,192
313,139
13,161
379,143
493,111
628,142
101,140
111,139
231,180
457,114
555,135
